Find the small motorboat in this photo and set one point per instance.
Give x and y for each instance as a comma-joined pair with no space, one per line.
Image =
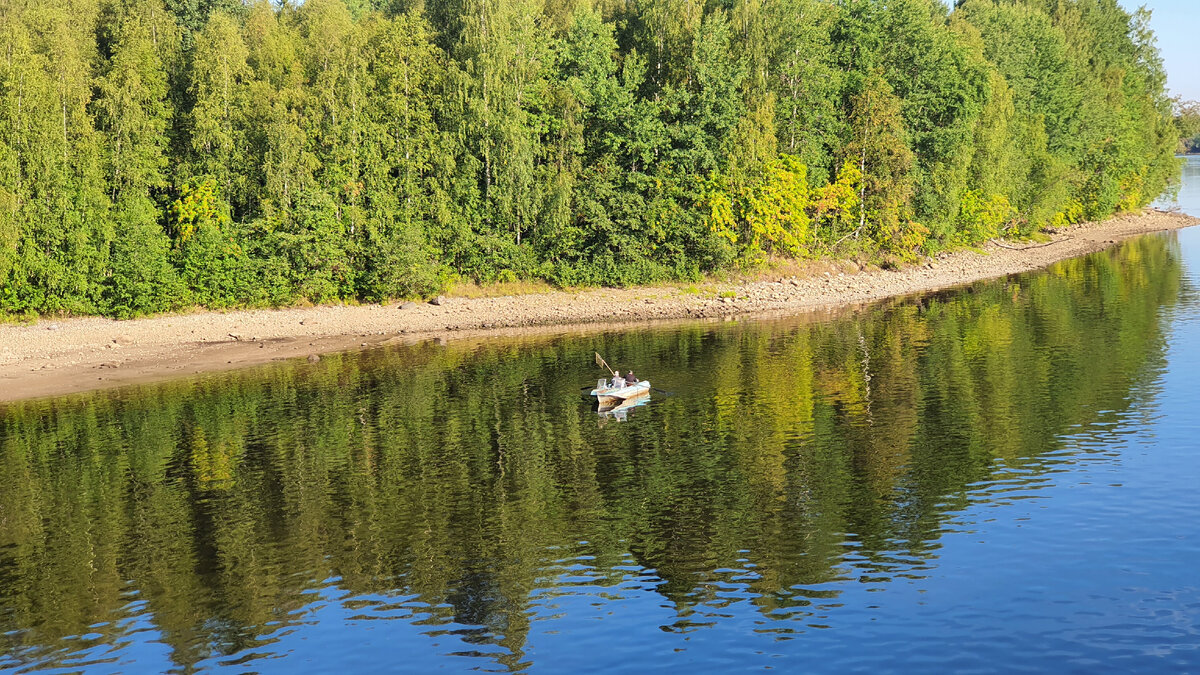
609,396
618,397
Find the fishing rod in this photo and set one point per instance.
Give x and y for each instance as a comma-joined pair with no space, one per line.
601,362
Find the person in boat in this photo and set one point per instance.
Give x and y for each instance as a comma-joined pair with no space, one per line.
631,378
618,382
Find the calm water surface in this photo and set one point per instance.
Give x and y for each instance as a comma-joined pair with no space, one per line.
998,478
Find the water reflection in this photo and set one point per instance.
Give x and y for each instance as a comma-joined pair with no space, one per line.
458,504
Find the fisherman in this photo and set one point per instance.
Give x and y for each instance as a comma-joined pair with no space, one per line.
618,382
631,378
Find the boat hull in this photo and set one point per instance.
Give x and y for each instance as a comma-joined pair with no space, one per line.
608,397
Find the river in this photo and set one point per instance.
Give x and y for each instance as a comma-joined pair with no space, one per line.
1000,477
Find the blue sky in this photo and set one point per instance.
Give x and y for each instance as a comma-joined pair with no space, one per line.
1177,25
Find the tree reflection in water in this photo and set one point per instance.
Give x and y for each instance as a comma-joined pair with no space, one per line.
467,488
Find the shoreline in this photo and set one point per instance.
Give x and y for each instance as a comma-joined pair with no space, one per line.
55,357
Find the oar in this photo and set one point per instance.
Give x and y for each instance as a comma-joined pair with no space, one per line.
601,362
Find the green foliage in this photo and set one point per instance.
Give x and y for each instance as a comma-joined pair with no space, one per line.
143,279
1187,125
206,250
836,208
767,215
154,154
982,217
55,171
878,142
1093,123
196,208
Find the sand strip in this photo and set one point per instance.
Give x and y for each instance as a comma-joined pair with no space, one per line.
63,356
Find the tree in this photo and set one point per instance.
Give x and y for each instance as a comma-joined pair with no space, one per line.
219,80
941,84
57,183
501,54
133,112
403,157
878,144
365,149
1187,125
793,58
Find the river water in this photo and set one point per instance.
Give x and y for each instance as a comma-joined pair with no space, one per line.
1002,477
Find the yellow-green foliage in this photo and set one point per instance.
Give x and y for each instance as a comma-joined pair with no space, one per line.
1131,190
835,207
778,213
768,214
197,207
905,238
774,210
981,217
721,220
1071,214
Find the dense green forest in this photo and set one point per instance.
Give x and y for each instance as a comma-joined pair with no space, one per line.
162,153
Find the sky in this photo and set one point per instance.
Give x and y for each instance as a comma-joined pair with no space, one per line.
1177,25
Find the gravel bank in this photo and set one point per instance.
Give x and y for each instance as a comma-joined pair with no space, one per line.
69,355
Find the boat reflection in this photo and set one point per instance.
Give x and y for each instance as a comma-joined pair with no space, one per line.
620,409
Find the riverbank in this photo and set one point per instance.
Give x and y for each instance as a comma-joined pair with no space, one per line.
64,356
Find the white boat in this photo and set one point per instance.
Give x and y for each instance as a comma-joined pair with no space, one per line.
607,395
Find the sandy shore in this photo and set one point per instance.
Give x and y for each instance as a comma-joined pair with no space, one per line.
70,355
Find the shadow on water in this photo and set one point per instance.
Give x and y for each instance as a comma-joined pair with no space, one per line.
467,497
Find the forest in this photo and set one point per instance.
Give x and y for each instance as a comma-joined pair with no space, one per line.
160,154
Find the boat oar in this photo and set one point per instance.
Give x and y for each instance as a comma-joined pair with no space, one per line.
601,362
